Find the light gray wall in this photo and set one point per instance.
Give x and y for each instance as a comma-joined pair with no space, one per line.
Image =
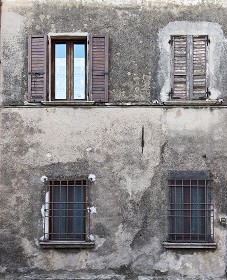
131,192
139,34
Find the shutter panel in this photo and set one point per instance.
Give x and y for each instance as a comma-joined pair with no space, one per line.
37,68
179,67
98,66
199,79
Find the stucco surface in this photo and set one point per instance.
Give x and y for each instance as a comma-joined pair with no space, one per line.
130,193
139,54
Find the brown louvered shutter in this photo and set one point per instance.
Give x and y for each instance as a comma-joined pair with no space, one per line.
98,68
189,67
179,67
199,79
37,68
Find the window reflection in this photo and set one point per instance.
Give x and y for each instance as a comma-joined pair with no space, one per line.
79,71
60,71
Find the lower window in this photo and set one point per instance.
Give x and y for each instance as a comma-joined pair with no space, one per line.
191,212
66,211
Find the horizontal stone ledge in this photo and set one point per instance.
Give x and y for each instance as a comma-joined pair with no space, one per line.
66,103
193,102
176,245
66,244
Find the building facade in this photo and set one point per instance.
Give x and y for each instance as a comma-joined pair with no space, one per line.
113,139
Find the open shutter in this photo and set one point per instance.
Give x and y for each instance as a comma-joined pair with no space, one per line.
37,68
98,68
199,79
179,67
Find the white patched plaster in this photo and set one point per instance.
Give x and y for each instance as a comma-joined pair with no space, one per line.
123,2
92,238
92,177
44,179
93,210
216,47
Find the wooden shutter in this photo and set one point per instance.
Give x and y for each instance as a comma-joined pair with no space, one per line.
37,68
189,67
98,68
199,79
179,67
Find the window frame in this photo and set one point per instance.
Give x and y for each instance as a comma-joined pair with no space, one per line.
69,39
62,216
39,68
183,209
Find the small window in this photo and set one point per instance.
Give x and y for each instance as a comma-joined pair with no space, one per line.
189,71
66,211
190,210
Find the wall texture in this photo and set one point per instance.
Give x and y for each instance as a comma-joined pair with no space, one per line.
131,192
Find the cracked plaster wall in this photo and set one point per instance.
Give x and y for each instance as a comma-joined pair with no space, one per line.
130,193
139,34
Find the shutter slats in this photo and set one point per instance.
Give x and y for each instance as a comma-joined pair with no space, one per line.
98,78
199,82
189,64
37,68
179,67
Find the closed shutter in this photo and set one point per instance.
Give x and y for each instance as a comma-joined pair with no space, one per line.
179,67
189,67
199,82
98,68
37,68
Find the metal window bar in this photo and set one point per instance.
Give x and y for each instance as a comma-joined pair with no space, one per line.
66,210
191,213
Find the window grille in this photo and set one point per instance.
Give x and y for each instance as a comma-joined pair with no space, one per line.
191,212
66,212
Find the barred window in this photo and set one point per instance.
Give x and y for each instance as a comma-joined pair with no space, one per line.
66,211
191,211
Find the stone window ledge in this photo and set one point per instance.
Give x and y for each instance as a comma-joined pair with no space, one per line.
192,102
66,244
66,103
172,245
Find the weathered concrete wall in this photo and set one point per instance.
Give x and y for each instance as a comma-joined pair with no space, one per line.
139,35
131,191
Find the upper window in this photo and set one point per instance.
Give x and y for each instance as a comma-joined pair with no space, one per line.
191,212
69,70
189,75
76,68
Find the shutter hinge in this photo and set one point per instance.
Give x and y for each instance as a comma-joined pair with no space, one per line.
36,73
207,40
171,93
208,93
171,41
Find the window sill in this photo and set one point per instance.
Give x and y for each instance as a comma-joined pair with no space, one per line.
193,102
66,103
66,244
172,245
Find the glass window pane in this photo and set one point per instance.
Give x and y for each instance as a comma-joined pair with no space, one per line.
79,71
60,71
